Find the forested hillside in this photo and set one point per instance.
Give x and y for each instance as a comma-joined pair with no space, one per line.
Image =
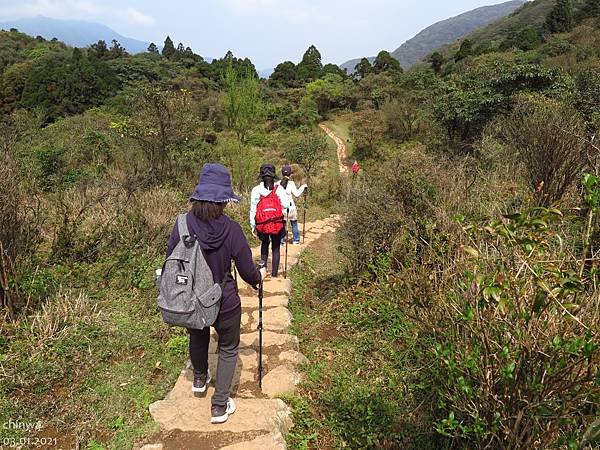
457,304
76,33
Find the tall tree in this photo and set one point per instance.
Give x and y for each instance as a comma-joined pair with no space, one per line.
285,74
311,66
465,50
243,104
117,50
168,48
308,152
560,19
437,61
363,68
384,62
99,50
152,48
180,49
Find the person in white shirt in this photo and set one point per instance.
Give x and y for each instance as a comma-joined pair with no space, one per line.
267,174
291,191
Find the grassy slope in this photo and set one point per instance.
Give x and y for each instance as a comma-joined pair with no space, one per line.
93,379
361,388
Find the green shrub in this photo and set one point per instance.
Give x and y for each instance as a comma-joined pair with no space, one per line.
517,354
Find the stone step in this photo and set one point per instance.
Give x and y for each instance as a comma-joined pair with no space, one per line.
274,319
270,339
188,413
280,380
271,301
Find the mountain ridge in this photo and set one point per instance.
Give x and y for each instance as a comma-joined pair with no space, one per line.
445,32
77,33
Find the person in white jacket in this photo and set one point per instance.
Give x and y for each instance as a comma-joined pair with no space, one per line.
291,191
267,174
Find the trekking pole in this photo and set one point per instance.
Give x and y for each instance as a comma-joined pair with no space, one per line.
304,218
286,242
261,265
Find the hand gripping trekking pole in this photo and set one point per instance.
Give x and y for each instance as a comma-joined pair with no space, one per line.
287,215
261,265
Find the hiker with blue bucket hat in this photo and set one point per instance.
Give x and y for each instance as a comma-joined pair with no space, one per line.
220,240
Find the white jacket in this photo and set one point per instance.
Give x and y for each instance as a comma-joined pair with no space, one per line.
289,192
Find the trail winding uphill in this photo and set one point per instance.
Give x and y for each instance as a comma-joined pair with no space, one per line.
342,151
260,420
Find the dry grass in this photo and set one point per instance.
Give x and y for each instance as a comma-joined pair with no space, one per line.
58,316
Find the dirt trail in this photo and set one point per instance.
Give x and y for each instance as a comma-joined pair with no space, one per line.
261,420
342,151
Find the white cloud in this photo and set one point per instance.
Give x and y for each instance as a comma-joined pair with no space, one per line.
91,10
139,18
288,10
64,9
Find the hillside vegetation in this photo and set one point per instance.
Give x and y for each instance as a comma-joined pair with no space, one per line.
457,305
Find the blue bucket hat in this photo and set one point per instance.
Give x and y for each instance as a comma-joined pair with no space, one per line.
214,185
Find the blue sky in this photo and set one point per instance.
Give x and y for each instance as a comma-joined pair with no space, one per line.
266,31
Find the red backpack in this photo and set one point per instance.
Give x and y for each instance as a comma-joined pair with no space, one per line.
269,215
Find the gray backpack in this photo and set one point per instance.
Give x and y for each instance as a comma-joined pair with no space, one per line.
188,296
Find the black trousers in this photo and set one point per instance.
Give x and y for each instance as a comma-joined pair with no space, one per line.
229,342
275,241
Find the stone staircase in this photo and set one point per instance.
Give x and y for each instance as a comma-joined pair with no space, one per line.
261,420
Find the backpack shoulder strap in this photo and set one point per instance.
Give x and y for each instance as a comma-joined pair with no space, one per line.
184,233
182,225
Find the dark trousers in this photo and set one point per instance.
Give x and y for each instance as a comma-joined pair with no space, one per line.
275,241
229,341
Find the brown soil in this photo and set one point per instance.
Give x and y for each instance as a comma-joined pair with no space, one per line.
187,440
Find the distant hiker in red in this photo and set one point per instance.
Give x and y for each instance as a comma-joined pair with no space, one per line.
267,205
221,240
355,167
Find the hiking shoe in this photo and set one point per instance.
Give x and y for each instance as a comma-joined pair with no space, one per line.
201,381
296,243
220,414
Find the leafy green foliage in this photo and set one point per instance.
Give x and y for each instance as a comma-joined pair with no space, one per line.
331,91
243,104
363,68
437,61
519,330
384,62
285,75
469,101
587,97
561,19
310,67
308,151
164,122
367,131
465,50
